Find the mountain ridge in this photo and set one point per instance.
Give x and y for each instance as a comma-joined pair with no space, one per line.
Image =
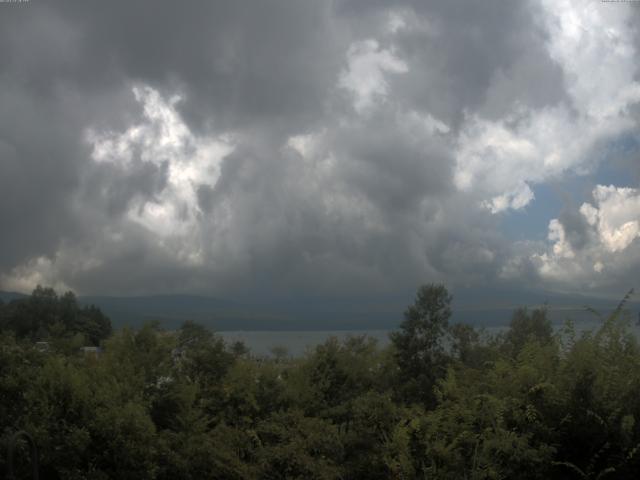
474,306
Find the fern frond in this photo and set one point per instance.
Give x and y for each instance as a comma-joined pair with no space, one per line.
597,456
594,312
571,467
605,472
621,305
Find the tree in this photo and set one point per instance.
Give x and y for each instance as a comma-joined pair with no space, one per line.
94,324
465,342
419,349
46,316
294,446
526,326
204,357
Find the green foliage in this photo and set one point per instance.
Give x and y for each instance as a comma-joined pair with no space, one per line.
419,346
527,326
443,402
294,446
46,316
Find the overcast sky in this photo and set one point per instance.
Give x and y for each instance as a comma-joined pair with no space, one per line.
330,147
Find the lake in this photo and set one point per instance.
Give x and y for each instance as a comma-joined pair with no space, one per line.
298,342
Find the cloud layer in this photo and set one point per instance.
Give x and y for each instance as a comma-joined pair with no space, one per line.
283,147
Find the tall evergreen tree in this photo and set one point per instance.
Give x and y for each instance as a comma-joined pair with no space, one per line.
419,348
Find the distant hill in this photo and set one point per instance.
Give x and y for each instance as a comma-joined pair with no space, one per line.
172,310
491,306
480,307
8,296
474,306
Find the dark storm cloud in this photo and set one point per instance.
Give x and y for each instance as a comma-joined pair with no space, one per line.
390,166
114,188
47,96
39,171
382,212
473,56
237,62
478,45
576,228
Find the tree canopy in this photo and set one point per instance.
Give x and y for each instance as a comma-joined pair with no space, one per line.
441,401
46,316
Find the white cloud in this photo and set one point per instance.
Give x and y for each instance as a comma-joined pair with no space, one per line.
421,125
396,22
515,199
38,271
561,247
365,74
170,218
613,224
502,158
161,137
615,217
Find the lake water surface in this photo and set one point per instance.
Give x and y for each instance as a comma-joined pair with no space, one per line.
298,342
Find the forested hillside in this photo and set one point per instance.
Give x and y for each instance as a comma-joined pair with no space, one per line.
443,401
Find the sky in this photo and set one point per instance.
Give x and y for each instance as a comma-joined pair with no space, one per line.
337,148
